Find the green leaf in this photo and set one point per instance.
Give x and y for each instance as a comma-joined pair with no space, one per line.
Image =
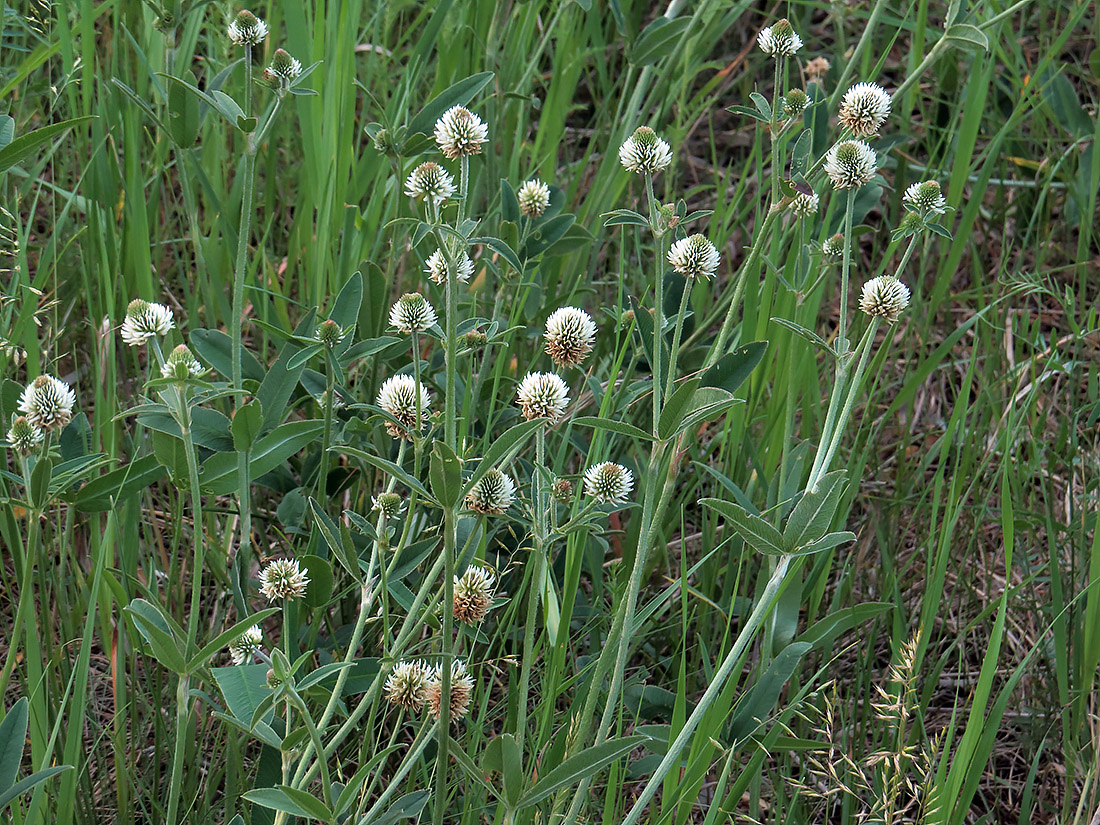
676,407
756,532
502,249
246,426
345,309
620,427
707,404
405,807
302,358
215,348
219,472
731,370
39,491
459,94
319,590
290,800
511,768
279,383
814,512
808,334
172,454
209,428
745,111
445,475
156,631
965,36
7,130
13,738
822,632
31,781
658,40
762,697
385,466
97,495
183,114
624,217
24,145
332,536
509,203
826,542
583,765
762,105
227,636
511,439
244,688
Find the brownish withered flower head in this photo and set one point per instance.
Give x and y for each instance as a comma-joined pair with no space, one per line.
473,595
462,691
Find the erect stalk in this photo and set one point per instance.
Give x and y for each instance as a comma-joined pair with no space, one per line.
674,353
845,269
536,582
773,128
450,539
717,684
658,301
326,435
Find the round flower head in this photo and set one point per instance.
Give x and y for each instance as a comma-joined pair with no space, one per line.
795,102
430,181
608,483
436,267
533,197
570,333
816,69
399,397
330,333
24,437
884,296
805,205
833,246
47,403
851,164
863,108
493,493
542,395
388,504
285,67
925,197
462,690
145,320
694,257
473,595
645,153
460,133
246,29
181,364
407,685
241,648
779,39
562,490
412,313
283,579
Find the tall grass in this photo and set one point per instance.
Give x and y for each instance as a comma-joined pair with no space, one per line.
969,596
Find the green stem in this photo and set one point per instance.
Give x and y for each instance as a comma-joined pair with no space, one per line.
773,129
450,539
658,302
845,270
677,332
326,435
535,585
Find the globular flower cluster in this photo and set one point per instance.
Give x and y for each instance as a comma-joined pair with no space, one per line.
436,267
645,153
925,197
242,648
47,403
805,205
462,690
283,579
885,297
460,133
388,504
694,257
779,39
430,182
24,437
246,29
851,164
284,68
399,396
542,395
407,685
864,108
570,333
492,494
145,320
412,313
330,334
473,595
608,483
181,365
534,198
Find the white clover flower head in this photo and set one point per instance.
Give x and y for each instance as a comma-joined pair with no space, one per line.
570,333
833,246
23,437
412,313
462,690
473,595
407,685
388,504
694,257
542,395
460,133
851,164
47,403
645,153
885,297
863,108
246,29
924,197
492,494
181,364
795,102
283,579
534,198
608,483
430,181
145,320
330,334
779,39
242,648
399,396
805,205
284,67
436,267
